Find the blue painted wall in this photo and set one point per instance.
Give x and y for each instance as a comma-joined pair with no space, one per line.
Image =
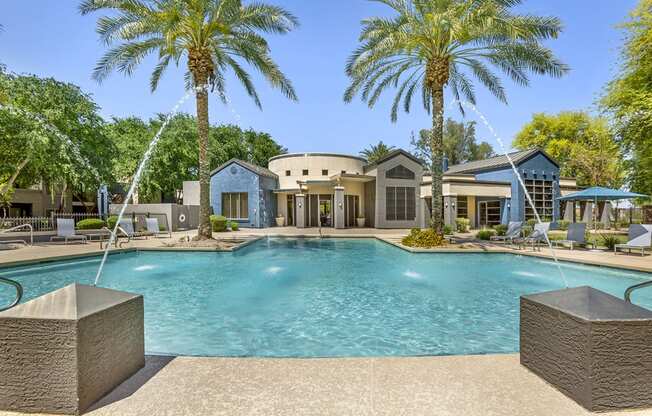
538,164
261,201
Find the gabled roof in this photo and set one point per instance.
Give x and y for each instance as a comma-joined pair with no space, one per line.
497,162
392,155
249,166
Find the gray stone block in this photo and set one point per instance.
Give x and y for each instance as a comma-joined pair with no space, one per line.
593,347
63,351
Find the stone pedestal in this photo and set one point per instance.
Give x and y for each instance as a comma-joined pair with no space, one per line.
338,209
594,347
300,201
63,351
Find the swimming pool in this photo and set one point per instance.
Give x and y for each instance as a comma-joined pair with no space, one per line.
326,298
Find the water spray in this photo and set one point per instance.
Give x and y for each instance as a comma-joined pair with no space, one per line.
139,173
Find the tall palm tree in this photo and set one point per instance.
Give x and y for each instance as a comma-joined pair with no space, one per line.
211,36
376,152
432,44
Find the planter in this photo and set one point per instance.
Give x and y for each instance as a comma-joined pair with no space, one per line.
280,221
360,222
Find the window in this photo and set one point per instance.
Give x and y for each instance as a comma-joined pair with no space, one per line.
400,203
324,172
235,206
305,172
343,172
541,193
399,172
462,207
288,173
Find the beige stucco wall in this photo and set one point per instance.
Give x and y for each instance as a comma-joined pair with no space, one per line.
296,163
471,188
190,192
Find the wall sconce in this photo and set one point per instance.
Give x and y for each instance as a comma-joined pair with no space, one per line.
509,205
339,205
300,205
453,204
446,205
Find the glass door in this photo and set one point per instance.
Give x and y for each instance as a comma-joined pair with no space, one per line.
290,209
489,213
325,211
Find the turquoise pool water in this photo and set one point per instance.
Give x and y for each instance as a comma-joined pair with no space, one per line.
331,297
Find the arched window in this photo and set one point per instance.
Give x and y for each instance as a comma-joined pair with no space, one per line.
399,172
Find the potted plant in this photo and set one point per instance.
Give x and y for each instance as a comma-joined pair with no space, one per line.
280,221
360,221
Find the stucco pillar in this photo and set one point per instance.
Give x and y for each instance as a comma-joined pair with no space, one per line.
300,201
450,209
338,209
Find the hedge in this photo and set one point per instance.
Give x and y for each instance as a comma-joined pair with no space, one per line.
218,223
91,224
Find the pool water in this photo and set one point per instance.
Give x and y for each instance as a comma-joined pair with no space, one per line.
326,298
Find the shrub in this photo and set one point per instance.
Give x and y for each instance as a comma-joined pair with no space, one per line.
526,230
609,240
218,223
462,224
531,222
448,230
423,239
501,229
485,234
563,225
110,222
234,226
91,224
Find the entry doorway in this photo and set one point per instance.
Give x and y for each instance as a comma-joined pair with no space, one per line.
290,210
325,211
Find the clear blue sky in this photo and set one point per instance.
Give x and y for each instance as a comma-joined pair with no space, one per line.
50,38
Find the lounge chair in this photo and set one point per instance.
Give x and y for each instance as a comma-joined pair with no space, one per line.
639,238
154,229
127,227
513,232
576,235
66,231
538,235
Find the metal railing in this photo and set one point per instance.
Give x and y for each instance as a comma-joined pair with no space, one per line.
18,227
19,293
628,292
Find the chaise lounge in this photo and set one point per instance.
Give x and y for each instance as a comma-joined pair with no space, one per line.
513,232
66,231
576,236
639,238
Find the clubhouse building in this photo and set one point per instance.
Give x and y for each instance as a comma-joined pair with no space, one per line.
343,191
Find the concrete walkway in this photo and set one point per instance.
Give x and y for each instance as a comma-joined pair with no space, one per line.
489,385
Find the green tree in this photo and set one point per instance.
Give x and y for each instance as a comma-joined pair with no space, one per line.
584,146
214,36
628,98
375,152
429,45
50,132
459,143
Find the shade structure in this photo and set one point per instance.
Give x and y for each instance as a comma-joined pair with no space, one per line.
599,193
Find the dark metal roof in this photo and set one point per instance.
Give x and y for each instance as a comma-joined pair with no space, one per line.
497,162
249,166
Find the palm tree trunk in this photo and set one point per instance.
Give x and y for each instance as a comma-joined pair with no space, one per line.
204,231
437,150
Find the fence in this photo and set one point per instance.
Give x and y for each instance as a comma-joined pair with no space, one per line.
43,223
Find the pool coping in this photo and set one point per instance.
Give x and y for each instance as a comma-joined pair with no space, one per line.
486,249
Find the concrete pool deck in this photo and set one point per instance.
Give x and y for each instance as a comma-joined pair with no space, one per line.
50,251
487,385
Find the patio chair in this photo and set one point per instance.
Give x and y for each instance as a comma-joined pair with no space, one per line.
538,235
576,235
513,232
154,229
639,238
127,227
66,231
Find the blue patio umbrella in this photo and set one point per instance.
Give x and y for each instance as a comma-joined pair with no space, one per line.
599,193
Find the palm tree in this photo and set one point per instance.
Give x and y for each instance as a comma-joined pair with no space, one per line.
433,44
212,36
376,152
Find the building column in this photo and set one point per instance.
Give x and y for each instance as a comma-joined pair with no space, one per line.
506,206
450,209
300,202
338,208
